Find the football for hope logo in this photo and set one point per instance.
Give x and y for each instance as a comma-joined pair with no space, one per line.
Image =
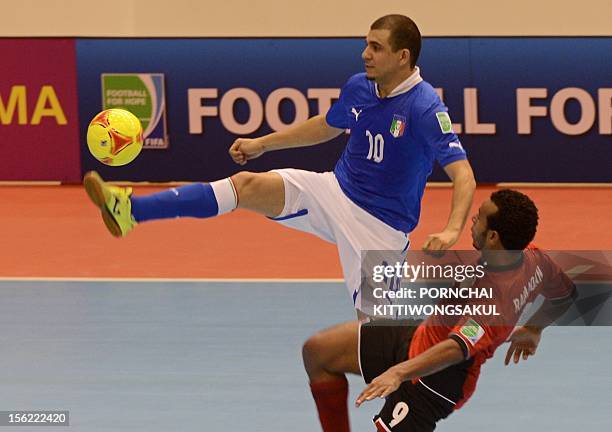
144,96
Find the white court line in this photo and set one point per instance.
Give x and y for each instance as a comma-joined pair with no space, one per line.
29,183
217,280
186,280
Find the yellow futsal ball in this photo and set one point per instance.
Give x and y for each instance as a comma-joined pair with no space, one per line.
114,137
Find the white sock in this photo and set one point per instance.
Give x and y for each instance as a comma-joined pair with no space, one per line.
225,192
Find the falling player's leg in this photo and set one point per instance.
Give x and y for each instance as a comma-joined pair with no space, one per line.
121,211
412,407
328,355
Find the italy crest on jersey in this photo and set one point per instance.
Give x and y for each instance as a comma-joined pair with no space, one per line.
397,126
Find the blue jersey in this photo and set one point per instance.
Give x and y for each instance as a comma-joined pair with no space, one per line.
393,144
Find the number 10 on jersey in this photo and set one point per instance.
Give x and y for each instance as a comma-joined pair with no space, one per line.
377,147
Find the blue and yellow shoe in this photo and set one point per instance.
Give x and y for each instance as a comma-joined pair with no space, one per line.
114,204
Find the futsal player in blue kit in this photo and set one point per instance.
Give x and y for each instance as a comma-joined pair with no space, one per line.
371,201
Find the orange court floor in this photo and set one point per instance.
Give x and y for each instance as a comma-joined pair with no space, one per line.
54,232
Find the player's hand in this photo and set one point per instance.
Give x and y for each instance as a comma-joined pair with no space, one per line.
523,342
381,386
244,149
440,241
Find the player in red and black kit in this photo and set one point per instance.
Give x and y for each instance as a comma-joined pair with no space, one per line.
427,371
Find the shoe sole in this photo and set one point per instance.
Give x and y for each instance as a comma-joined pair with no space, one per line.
94,186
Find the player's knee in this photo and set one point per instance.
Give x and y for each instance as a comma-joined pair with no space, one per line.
245,183
243,180
313,350
260,192
319,353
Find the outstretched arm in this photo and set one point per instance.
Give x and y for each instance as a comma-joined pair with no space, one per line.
462,176
313,131
525,339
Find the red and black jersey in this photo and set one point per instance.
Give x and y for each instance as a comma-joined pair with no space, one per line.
513,288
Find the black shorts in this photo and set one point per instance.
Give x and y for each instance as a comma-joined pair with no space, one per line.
411,408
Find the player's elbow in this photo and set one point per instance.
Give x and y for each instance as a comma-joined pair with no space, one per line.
328,131
455,353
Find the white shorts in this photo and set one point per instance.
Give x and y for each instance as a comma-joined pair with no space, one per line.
315,203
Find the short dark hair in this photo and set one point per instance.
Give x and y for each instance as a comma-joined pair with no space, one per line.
404,34
516,219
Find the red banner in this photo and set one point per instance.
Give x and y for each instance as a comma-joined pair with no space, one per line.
39,131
